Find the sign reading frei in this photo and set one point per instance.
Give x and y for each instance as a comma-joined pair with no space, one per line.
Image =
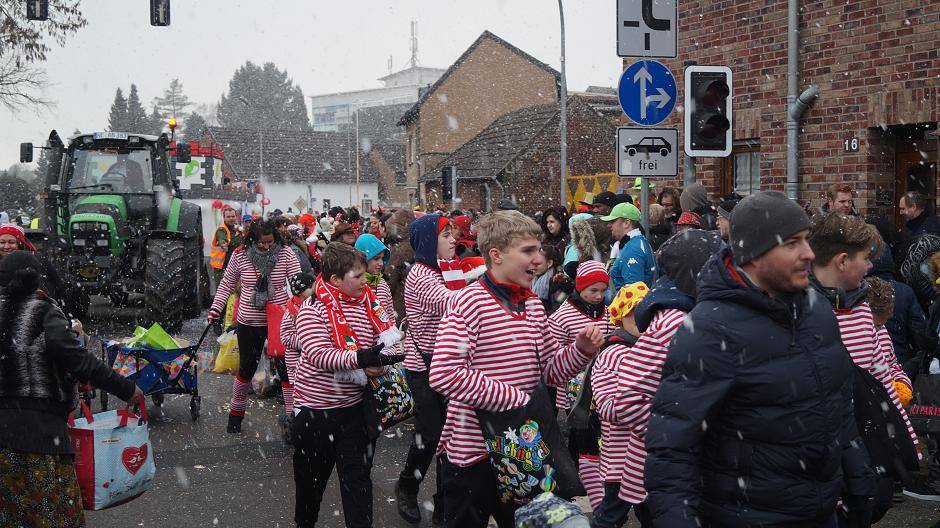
647,151
647,28
647,92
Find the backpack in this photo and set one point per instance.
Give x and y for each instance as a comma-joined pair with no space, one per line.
882,428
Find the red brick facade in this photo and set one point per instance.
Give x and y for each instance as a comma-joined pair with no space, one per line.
877,68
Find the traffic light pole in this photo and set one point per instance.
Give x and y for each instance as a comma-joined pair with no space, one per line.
645,203
688,177
562,121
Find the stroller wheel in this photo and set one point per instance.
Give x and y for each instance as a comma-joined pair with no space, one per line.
103,396
194,405
157,399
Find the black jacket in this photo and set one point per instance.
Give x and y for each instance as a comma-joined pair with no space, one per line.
41,360
907,326
926,223
753,424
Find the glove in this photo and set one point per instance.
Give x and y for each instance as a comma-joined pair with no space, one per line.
904,392
372,357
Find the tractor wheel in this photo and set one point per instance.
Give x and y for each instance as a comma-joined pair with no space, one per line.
196,280
165,282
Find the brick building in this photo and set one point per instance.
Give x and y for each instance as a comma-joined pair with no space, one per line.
517,156
490,79
877,68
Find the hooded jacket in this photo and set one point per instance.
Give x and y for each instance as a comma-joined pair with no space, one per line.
422,233
753,422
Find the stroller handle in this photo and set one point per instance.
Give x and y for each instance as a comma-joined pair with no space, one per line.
203,336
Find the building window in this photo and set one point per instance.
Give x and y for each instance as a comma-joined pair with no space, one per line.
740,172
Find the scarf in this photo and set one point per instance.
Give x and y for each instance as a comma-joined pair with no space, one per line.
452,272
542,283
594,311
373,280
344,337
264,262
511,295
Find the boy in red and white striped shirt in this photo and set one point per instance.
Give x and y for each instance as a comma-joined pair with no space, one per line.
584,307
342,327
843,246
491,350
625,378
430,287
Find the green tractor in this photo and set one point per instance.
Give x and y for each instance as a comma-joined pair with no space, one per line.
115,225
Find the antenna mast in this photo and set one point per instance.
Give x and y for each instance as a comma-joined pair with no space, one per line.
414,43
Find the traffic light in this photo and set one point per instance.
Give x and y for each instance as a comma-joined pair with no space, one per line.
708,111
447,182
159,12
37,9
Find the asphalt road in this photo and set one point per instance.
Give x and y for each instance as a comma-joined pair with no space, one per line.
206,477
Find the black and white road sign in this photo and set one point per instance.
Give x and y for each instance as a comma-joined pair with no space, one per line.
647,151
647,28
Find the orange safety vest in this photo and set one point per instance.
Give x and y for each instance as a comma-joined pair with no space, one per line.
217,255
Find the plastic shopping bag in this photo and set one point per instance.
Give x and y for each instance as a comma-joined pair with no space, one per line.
153,337
113,456
227,359
263,380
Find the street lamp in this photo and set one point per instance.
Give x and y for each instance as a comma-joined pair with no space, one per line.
563,120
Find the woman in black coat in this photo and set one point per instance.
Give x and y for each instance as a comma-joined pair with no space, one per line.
41,359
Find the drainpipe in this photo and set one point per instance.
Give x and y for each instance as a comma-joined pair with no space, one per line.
489,196
796,104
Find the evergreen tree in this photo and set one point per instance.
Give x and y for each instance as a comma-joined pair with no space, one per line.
156,122
174,102
263,97
194,127
137,119
117,119
42,165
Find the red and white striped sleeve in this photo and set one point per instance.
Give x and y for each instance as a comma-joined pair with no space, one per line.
289,340
452,376
641,368
227,285
886,347
316,342
384,295
558,327
561,362
605,383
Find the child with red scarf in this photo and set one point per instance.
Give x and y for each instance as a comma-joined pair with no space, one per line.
491,350
342,327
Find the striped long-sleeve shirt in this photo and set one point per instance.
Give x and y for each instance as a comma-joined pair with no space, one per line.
384,295
565,324
625,380
857,328
315,386
241,272
897,374
489,358
291,345
426,300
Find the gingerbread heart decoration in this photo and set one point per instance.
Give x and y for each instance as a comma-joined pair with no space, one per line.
134,458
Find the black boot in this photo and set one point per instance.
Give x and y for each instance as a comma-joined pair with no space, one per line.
437,520
234,424
406,495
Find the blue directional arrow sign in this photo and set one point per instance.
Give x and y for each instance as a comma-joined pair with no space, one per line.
647,92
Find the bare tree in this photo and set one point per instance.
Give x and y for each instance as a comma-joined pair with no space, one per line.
24,43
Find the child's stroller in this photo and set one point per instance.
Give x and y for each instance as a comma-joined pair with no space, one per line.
157,372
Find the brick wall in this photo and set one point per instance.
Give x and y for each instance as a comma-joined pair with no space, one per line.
875,62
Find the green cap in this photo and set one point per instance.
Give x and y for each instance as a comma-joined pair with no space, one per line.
623,210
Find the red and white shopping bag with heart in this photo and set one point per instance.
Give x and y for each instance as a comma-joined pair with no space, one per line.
113,456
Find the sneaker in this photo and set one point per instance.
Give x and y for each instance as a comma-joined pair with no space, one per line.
923,492
234,424
898,496
407,504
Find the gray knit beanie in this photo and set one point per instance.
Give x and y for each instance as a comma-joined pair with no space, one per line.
763,221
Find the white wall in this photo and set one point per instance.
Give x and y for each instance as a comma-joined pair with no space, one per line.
283,195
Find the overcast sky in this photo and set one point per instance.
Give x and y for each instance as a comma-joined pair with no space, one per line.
324,45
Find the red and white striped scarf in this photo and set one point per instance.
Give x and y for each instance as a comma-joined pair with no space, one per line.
452,272
343,335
